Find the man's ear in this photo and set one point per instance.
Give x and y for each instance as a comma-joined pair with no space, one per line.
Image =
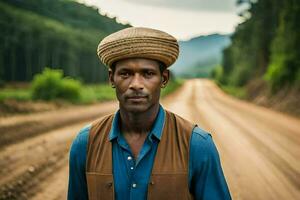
111,77
165,78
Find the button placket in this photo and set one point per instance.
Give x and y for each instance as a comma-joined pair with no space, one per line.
130,162
130,165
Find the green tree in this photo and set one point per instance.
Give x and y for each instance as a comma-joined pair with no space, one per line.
60,34
284,68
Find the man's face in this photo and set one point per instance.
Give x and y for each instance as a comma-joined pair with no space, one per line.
138,83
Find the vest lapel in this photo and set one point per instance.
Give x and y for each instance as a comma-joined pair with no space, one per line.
99,161
169,179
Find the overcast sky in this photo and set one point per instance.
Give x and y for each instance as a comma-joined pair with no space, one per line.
182,18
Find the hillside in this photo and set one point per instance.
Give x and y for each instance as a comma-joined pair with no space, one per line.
59,34
198,56
263,58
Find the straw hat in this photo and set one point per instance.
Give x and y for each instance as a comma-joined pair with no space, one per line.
138,42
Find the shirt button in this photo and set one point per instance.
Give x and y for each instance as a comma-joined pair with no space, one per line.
134,185
131,167
129,158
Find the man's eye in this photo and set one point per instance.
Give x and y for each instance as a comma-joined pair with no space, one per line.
124,74
149,73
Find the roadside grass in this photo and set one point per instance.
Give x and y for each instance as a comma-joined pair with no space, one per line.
238,92
15,94
88,94
96,93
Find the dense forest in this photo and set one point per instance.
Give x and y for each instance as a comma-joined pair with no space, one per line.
61,34
265,47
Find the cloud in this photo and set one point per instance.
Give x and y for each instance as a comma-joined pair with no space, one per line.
181,23
196,5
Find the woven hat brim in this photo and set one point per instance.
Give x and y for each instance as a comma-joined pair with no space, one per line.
160,49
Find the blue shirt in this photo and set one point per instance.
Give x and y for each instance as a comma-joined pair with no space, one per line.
131,177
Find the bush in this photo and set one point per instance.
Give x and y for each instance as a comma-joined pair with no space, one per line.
70,89
218,75
96,93
51,85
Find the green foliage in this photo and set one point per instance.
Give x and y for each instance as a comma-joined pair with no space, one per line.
70,12
278,73
239,92
16,94
70,89
217,74
59,33
51,85
265,45
284,67
104,92
96,93
240,76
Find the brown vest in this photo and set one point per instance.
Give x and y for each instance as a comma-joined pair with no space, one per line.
169,178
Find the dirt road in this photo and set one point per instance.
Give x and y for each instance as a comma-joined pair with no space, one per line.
259,148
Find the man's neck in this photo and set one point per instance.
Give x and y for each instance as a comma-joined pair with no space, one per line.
138,123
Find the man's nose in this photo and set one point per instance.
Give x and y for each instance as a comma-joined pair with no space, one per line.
136,83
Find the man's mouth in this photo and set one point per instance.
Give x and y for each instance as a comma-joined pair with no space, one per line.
136,97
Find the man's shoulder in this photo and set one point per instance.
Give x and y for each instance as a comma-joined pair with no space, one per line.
101,120
196,129
201,132
83,132
81,137
79,146
202,141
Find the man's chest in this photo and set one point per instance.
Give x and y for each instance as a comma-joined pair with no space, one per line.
135,143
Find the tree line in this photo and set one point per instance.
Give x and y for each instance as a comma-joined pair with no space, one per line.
265,46
58,34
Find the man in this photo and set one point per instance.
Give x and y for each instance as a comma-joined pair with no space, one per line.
143,151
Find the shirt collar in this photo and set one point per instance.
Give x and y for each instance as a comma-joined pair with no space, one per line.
156,130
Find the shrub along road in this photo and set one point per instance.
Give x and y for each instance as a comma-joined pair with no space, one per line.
258,147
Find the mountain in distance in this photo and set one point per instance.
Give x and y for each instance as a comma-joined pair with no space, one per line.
200,55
